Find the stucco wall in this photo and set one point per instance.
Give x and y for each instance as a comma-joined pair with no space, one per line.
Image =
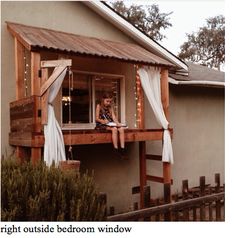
197,117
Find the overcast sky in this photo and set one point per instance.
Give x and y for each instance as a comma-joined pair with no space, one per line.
187,17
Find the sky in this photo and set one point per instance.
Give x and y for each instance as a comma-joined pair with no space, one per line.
187,17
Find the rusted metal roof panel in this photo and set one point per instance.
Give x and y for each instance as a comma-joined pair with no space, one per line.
35,37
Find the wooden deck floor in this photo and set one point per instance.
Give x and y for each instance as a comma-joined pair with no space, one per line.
82,137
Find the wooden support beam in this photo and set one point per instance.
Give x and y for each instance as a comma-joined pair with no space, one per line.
20,86
156,179
142,171
165,104
35,155
154,157
165,92
44,99
35,79
55,63
58,71
21,154
19,69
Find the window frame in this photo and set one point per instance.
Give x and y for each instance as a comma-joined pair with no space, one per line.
91,125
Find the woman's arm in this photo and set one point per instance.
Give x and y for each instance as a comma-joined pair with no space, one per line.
114,116
97,115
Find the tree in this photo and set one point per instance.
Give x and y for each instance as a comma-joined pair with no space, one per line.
207,46
150,20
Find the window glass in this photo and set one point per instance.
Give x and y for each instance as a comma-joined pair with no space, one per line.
80,94
111,86
86,91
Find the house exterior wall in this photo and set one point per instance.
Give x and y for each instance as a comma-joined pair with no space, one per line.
197,116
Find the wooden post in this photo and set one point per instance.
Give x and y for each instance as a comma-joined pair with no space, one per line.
19,69
19,77
165,104
44,99
217,190
202,193
21,154
35,79
35,155
35,90
142,171
142,144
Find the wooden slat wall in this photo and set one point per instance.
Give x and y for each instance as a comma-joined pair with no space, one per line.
24,115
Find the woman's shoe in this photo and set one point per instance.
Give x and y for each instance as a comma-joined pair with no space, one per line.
123,153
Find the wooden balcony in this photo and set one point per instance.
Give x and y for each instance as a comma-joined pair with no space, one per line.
84,137
26,128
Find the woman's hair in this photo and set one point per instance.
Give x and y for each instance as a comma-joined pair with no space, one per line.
106,95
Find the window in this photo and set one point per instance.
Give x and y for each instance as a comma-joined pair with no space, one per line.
79,99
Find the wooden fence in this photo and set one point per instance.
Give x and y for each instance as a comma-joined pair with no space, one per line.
202,203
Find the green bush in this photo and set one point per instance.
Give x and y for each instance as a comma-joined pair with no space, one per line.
40,193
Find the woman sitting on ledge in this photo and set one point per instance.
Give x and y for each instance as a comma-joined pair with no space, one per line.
106,120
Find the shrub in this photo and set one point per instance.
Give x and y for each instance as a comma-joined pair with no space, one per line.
40,193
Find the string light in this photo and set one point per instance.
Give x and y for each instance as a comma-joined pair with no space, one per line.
26,66
138,99
71,88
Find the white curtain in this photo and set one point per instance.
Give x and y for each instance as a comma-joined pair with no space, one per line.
54,148
150,80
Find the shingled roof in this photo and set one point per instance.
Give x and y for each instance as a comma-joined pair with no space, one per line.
199,75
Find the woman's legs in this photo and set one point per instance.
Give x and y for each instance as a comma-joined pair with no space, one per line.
122,137
114,136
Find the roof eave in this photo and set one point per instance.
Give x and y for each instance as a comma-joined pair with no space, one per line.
18,37
134,33
197,83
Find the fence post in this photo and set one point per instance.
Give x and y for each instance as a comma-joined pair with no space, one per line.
147,199
210,207
112,211
202,193
102,198
157,203
217,190
185,193
167,196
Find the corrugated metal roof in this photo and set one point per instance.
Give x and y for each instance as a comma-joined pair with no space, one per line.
34,38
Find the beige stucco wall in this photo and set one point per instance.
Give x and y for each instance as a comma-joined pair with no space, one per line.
197,115
198,118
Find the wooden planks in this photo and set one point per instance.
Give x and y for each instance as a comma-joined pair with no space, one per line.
24,115
35,79
82,137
